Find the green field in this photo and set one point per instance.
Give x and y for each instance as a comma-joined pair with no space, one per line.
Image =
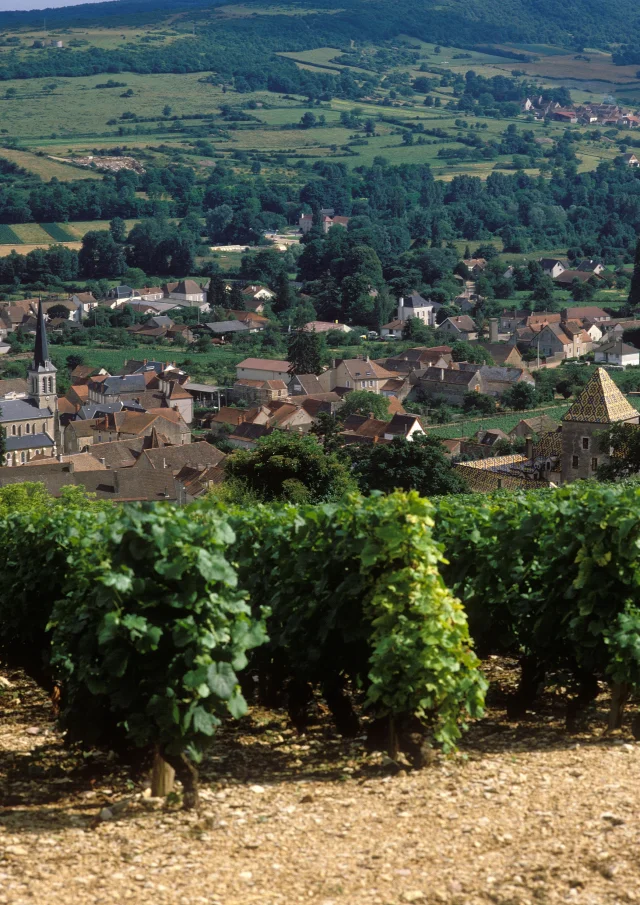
7,235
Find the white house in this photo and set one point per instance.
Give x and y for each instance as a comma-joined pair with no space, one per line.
552,267
415,306
392,330
186,291
403,426
617,353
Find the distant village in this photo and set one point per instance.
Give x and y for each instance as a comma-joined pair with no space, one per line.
130,435
585,114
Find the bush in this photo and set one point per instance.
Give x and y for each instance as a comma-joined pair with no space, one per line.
40,538
552,576
355,593
152,631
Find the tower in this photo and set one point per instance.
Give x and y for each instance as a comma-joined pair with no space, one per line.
42,373
598,406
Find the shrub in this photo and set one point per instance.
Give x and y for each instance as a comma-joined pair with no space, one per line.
355,591
152,631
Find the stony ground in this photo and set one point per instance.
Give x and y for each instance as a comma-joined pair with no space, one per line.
527,814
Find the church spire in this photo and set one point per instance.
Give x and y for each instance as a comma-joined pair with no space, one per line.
41,354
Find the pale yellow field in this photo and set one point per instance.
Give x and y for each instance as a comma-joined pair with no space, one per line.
44,167
25,249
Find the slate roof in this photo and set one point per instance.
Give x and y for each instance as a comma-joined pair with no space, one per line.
618,347
450,376
415,300
234,326
600,402
20,410
28,441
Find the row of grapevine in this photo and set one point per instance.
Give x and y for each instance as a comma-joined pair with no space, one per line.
356,594
552,576
143,618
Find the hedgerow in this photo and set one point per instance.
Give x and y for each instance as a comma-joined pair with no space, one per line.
552,576
355,593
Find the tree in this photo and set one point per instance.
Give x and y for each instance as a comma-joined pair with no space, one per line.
286,466
362,402
464,351
308,120
622,443
304,352
520,396
236,298
216,293
166,110
634,290
327,429
58,311
118,229
417,464
73,360
479,402
416,330
100,256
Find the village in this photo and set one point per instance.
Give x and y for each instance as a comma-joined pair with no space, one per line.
150,432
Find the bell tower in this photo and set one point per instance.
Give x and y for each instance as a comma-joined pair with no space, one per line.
42,373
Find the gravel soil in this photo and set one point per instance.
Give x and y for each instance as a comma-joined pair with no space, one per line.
526,814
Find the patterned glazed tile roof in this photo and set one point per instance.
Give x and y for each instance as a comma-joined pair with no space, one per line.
495,462
600,402
549,445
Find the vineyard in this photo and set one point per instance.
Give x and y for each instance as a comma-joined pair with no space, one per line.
163,624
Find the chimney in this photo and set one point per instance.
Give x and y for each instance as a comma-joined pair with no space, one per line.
494,330
102,461
442,374
371,415
528,449
164,463
116,482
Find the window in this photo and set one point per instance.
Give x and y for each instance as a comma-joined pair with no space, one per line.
22,458
594,464
574,462
13,429
44,427
585,443
28,428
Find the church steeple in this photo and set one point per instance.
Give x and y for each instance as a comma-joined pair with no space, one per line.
41,353
42,373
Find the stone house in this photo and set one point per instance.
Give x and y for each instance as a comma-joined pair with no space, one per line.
263,369
460,328
449,384
355,374
599,405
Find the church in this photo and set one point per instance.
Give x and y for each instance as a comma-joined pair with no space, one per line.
30,421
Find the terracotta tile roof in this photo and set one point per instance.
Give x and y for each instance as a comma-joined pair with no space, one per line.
118,453
228,415
176,457
600,402
395,406
265,364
